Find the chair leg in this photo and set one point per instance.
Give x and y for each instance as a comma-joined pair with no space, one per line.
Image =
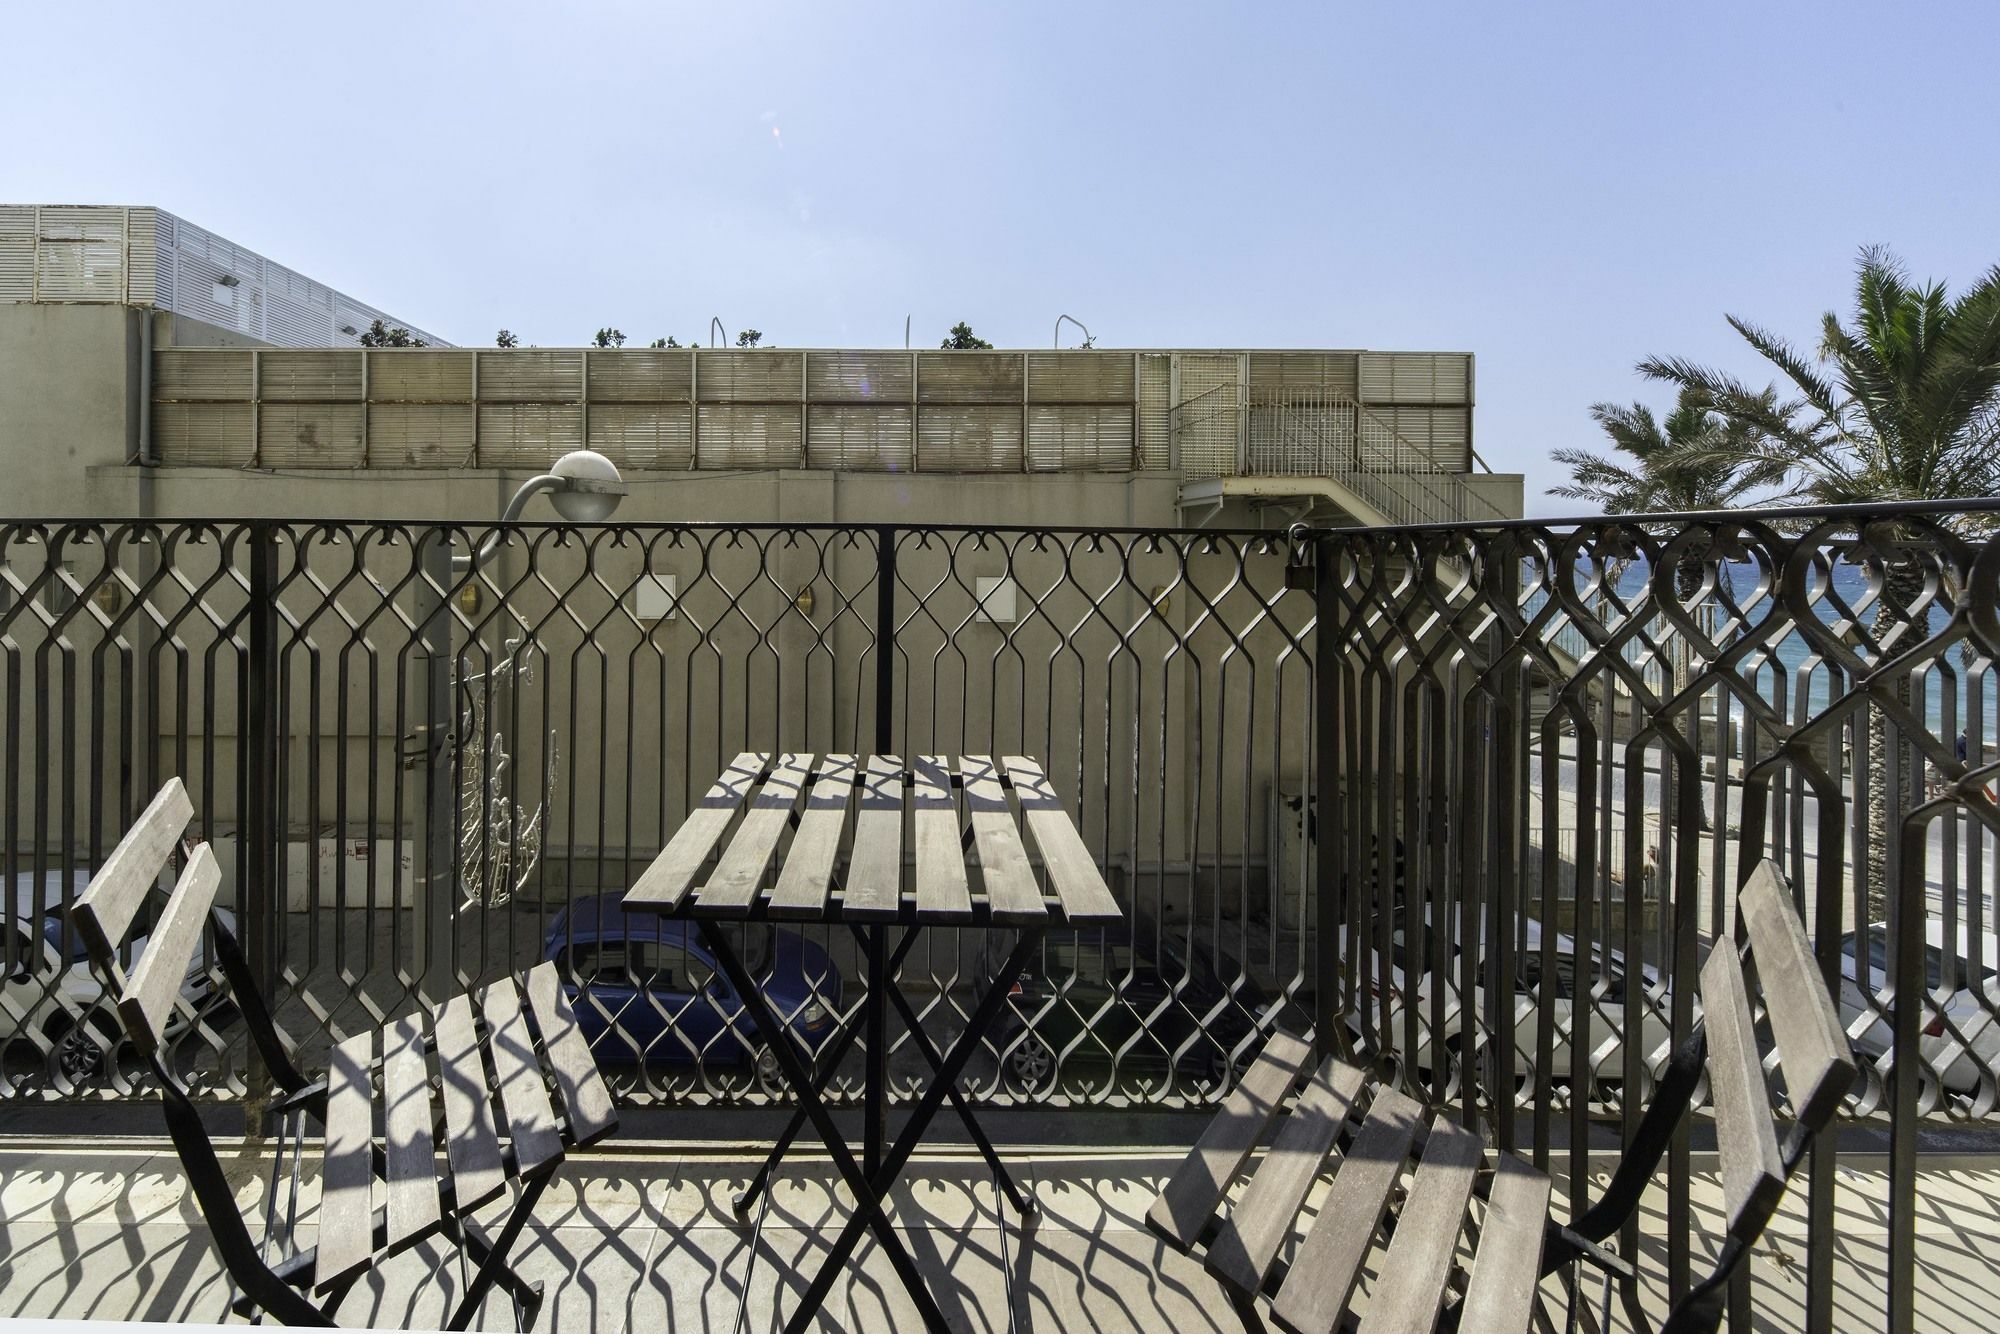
1246,1311
493,1267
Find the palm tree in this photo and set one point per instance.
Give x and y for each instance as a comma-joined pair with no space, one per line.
1696,459
1903,403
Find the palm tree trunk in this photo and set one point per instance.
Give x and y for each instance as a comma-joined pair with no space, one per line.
1889,801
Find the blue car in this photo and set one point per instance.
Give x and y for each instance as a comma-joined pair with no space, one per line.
647,990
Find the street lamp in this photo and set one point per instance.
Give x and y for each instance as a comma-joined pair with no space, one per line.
584,487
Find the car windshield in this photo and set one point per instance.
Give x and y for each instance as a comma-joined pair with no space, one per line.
1935,963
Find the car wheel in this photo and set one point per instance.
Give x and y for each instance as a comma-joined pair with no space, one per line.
1030,1064
79,1050
770,1075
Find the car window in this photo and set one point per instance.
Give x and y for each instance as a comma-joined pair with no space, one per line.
1935,963
52,931
1088,958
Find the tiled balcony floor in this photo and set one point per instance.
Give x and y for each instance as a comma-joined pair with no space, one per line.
643,1238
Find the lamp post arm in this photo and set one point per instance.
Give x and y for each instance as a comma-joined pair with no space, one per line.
531,488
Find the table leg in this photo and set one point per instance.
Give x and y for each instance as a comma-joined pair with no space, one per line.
1023,1205
875,1085
868,1196
920,1117
827,1062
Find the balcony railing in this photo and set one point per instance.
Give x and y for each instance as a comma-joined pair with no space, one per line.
1472,799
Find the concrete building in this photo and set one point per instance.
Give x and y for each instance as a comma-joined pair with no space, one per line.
150,368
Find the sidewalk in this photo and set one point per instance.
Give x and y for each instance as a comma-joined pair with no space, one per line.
643,1239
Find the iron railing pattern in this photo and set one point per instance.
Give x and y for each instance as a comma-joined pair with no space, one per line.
1527,765
355,719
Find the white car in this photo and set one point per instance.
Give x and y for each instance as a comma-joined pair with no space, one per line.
1961,1055
50,982
1607,984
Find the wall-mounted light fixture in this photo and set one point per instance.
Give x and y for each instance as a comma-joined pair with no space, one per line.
471,599
109,598
804,601
230,280
349,330
1162,599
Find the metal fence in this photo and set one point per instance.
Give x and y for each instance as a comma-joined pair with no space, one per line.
421,778
1473,800
1562,747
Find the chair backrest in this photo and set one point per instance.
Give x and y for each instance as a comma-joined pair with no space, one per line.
105,913
1813,1057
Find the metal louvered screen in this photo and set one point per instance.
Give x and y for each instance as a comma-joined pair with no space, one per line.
644,436
528,435
969,439
638,375
860,377
860,439
969,377
311,435
17,252
309,374
753,375
1080,439
749,435
1208,422
1155,377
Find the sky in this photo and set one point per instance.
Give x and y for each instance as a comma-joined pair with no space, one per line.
1559,188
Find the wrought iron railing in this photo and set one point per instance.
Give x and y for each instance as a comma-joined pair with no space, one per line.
359,724
1515,770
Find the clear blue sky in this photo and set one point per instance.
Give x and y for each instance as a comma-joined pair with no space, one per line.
1559,188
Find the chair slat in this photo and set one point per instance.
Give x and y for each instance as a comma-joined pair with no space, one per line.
739,875
1746,1139
807,875
1189,1199
478,1172
524,1098
1071,869
1812,1050
1242,1252
943,894
1507,1268
665,882
105,909
156,980
347,1169
411,1179
1011,892
586,1100
1410,1292
874,885
1328,1263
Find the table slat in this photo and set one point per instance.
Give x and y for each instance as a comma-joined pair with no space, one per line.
874,887
1011,892
663,884
807,876
942,891
739,876
1071,869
